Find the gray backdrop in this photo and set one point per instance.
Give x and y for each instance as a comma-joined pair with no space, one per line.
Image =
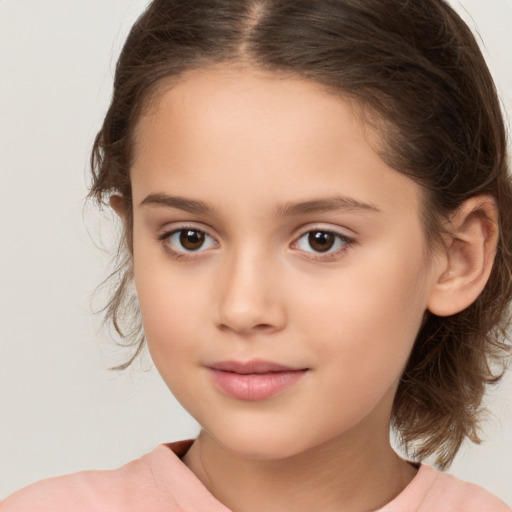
61,410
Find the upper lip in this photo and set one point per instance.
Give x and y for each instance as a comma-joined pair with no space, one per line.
255,366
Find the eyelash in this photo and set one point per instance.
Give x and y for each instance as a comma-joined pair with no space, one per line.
164,237
348,242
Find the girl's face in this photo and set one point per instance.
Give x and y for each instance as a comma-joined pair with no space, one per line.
281,266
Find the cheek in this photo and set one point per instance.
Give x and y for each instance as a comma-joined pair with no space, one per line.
169,304
171,318
367,318
167,313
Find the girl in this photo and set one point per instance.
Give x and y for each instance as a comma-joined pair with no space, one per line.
318,227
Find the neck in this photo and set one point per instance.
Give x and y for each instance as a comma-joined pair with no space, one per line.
349,474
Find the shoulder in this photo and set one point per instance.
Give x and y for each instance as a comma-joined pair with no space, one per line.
132,487
434,491
455,494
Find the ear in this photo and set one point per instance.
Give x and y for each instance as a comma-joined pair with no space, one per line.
117,204
466,261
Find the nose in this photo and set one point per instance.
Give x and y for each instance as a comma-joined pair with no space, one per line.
251,298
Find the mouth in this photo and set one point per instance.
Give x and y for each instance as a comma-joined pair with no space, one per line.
253,380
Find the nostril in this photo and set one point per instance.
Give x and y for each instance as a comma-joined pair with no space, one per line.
247,328
263,327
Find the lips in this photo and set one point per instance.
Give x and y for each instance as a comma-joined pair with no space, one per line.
253,380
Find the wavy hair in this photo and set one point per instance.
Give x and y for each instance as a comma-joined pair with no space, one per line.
413,65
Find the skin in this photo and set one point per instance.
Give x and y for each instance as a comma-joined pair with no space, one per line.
249,145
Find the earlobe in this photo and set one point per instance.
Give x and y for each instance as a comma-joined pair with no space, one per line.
467,258
117,204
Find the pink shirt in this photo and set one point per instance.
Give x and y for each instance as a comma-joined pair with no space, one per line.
160,482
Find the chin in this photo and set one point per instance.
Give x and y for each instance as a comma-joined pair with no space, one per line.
263,443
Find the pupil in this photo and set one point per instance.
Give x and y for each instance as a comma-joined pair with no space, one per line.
191,240
321,241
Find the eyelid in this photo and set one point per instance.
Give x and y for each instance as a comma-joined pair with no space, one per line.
178,225
328,228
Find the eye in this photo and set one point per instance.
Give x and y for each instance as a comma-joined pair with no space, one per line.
322,241
187,240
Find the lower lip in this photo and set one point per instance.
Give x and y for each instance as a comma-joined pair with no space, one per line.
254,386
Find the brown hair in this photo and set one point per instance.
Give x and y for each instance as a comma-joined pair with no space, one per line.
418,69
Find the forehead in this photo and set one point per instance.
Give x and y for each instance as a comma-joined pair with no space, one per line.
228,130
221,97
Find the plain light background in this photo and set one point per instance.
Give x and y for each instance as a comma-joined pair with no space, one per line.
61,410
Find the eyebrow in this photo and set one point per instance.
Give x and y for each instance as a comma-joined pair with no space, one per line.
324,205
181,203
321,205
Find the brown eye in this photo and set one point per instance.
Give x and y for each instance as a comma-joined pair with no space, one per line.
187,241
191,239
321,241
